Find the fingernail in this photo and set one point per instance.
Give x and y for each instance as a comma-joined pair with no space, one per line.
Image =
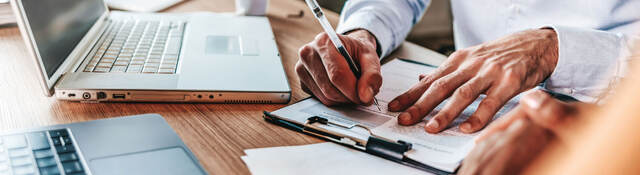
466,126
533,99
395,104
433,124
404,118
367,95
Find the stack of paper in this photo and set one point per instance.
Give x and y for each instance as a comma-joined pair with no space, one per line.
6,15
320,159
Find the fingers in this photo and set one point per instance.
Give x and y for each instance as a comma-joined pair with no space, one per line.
336,67
547,111
309,84
461,98
314,66
432,97
496,97
412,95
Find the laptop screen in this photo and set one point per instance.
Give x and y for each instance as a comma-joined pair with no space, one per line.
59,25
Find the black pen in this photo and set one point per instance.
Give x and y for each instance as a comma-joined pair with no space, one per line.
317,11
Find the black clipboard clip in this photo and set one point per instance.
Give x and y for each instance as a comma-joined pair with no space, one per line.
389,149
374,144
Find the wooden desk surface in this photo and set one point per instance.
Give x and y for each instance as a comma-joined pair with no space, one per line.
216,133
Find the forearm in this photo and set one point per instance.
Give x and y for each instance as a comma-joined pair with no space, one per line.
390,21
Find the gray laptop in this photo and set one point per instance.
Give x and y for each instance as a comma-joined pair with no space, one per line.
84,52
140,145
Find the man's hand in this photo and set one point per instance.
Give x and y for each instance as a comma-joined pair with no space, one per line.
508,151
509,145
543,110
500,69
325,73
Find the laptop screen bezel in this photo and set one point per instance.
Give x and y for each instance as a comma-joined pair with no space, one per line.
78,52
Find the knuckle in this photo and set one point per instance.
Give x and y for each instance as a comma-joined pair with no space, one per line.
512,77
337,76
445,117
306,53
418,110
440,84
458,54
322,37
490,103
466,92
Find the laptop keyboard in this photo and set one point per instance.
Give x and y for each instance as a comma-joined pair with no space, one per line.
34,153
136,46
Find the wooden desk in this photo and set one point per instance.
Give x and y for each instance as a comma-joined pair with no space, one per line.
217,133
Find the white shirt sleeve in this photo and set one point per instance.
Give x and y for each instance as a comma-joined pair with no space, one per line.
591,62
390,21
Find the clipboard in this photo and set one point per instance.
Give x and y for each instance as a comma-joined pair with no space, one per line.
390,149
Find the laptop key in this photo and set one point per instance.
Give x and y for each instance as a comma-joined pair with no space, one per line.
43,153
72,167
119,68
149,70
53,170
65,149
23,170
101,69
21,161
166,71
38,140
66,140
46,162
68,157
19,152
14,141
58,133
56,141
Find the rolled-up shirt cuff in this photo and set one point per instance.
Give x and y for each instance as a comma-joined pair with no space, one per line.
587,62
370,22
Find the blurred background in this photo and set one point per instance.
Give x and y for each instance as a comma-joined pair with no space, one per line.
434,31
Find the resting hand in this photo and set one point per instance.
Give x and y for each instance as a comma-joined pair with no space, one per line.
508,145
500,69
325,74
552,114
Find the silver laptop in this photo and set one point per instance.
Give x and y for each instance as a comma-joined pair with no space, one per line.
87,53
139,145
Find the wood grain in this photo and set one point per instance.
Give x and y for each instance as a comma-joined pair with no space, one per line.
217,133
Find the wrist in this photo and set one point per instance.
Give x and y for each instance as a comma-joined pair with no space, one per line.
550,54
364,36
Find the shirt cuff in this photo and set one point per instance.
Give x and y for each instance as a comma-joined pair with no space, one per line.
364,19
587,62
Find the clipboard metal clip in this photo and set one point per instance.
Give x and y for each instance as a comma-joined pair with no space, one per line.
377,145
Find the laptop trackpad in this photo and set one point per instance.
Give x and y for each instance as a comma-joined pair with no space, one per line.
166,161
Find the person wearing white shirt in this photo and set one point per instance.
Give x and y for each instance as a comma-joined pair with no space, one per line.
573,47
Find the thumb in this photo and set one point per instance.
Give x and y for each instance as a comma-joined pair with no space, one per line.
370,79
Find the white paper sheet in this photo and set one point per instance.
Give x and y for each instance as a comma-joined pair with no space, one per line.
320,159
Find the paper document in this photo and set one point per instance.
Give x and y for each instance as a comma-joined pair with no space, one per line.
443,151
319,159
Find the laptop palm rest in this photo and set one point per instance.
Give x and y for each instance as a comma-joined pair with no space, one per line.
158,162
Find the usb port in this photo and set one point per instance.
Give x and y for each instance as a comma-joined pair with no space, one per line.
118,96
72,95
